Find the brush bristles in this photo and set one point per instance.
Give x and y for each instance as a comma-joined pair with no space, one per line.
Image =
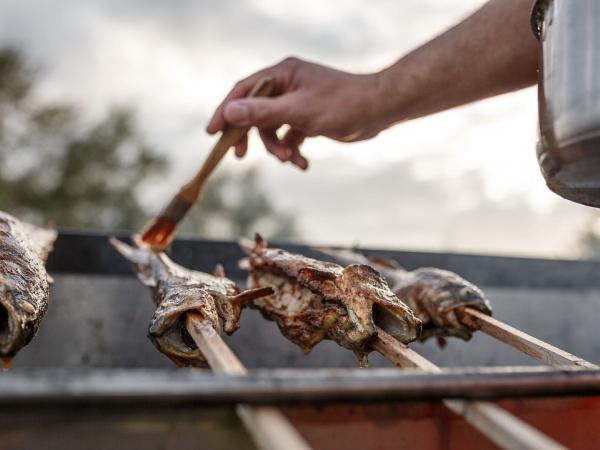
159,233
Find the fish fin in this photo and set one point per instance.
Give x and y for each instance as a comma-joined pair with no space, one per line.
50,279
219,271
244,264
343,256
131,253
441,342
384,261
246,244
127,251
41,240
309,274
136,256
359,271
251,294
260,243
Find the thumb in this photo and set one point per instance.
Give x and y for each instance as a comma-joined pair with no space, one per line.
259,112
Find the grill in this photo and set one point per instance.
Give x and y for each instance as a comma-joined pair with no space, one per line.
91,379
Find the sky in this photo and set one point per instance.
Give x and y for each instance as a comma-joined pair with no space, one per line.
465,180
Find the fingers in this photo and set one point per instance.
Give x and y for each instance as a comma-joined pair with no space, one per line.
274,145
267,114
286,149
298,160
281,73
240,90
293,139
241,147
263,112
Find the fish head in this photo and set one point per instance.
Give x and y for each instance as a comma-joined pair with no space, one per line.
440,297
365,288
22,306
451,291
10,335
167,327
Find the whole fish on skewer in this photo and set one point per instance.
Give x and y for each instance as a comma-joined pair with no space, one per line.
438,297
316,300
176,291
24,282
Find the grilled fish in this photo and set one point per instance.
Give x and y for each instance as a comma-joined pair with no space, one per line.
316,300
177,290
436,296
24,282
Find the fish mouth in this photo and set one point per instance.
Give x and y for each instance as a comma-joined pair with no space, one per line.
404,328
6,329
409,330
4,323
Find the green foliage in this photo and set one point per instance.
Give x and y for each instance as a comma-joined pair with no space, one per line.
53,168
15,79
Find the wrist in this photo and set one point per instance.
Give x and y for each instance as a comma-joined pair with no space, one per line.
392,96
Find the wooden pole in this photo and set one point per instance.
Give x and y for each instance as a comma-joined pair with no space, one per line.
268,427
542,351
498,425
536,348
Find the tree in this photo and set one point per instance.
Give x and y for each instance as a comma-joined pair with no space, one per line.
234,205
55,168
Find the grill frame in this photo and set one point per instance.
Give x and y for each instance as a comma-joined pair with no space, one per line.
292,386
89,254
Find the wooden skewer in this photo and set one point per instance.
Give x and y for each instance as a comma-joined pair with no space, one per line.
538,349
498,425
268,427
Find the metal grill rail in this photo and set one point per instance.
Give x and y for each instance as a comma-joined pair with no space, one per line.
78,253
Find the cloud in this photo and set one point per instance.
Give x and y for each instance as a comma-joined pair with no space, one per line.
392,208
173,61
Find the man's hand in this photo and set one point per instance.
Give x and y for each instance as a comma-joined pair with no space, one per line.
313,100
490,53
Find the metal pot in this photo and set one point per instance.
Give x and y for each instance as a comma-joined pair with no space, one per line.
569,97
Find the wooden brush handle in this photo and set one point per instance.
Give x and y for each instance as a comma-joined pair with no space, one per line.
231,135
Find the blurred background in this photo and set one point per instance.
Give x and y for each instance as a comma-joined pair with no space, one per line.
103,106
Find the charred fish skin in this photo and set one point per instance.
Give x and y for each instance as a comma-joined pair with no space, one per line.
438,297
316,300
24,282
176,291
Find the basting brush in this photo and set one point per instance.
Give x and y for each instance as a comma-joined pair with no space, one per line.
159,233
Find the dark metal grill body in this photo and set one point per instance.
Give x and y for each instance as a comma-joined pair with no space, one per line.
91,379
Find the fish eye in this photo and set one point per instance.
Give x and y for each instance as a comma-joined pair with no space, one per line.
466,292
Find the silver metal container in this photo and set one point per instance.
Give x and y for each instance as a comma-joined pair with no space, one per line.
569,97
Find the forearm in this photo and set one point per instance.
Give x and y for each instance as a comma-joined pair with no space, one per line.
489,53
492,52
